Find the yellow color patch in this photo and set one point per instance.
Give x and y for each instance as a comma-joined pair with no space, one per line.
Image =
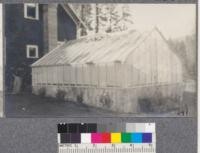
115,137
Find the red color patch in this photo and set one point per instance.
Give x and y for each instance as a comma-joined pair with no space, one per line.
106,138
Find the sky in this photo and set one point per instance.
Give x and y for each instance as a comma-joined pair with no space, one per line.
174,20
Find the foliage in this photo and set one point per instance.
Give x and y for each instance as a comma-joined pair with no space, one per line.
105,100
185,49
79,97
104,17
42,92
60,95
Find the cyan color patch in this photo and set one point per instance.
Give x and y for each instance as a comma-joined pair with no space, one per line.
136,137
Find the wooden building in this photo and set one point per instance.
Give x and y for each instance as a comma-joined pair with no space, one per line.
31,31
123,68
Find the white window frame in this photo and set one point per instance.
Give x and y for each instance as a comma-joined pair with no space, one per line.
36,9
28,51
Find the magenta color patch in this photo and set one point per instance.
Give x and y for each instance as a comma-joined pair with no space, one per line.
96,137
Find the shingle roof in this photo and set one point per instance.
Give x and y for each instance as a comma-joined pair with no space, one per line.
96,49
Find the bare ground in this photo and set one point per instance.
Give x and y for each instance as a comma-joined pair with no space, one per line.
28,105
1,104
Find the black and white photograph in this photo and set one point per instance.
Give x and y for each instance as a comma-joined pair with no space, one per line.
1,62
100,60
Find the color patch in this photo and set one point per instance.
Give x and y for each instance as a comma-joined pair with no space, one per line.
136,137
150,127
65,138
106,138
73,128
140,127
58,138
101,128
91,128
82,128
115,137
96,138
85,137
130,127
126,137
86,133
75,138
62,128
147,137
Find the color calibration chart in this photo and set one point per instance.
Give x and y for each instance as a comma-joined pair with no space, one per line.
106,138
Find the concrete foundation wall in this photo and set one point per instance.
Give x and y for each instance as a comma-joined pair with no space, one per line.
124,100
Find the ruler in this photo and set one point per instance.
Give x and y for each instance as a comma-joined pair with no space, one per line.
102,138
107,148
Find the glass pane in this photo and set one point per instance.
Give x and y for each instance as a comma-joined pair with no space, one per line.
31,11
32,52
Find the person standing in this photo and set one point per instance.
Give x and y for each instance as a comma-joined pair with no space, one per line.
17,83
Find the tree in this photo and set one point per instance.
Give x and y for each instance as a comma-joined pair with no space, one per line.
85,12
126,19
113,17
107,18
97,18
186,51
191,54
86,15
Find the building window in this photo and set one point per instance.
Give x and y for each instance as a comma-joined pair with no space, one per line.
32,51
31,11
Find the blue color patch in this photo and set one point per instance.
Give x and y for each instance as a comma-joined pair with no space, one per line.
136,137
147,137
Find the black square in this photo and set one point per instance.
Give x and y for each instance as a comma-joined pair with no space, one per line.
65,138
91,127
73,128
82,128
62,128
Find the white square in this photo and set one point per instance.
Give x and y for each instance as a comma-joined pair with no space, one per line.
150,127
58,136
85,137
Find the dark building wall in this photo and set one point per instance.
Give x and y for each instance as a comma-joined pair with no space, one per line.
66,26
20,32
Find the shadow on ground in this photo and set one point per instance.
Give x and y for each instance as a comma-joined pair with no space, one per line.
28,105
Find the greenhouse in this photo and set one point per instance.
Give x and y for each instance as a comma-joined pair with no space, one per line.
112,71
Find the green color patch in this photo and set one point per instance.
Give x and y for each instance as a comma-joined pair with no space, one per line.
126,137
